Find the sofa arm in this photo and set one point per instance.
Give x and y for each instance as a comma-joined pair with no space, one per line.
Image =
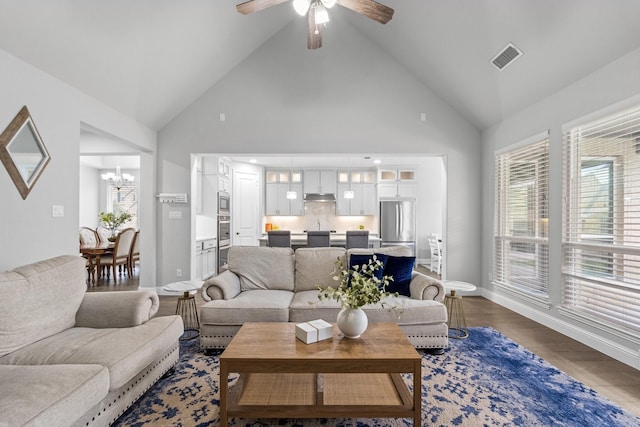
116,309
226,285
424,287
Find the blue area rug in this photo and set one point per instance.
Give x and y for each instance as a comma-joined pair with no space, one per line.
485,380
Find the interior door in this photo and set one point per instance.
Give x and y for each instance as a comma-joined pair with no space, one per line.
244,216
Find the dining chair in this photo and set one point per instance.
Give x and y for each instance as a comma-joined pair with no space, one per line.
436,253
134,254
318,239
357,239
120,255
103,233
279,238
88,236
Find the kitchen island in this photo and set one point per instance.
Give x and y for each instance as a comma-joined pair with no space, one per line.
299,240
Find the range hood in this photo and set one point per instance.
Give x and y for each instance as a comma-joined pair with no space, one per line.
320,197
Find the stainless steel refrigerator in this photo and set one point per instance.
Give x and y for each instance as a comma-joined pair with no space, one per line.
398,223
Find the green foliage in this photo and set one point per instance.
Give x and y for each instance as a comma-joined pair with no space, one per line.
363,288
112,221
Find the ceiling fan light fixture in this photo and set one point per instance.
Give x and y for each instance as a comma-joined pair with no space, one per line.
301,6
322,16
329,3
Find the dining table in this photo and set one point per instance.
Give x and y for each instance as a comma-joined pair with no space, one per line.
93,253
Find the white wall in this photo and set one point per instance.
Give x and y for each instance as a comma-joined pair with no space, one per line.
28,232
89,196
351,98
612,84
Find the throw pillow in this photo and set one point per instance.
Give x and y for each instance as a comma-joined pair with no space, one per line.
400,268
357,259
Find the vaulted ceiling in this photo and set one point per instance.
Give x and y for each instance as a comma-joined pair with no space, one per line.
150,59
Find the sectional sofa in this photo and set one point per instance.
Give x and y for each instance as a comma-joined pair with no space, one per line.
71,358
265,284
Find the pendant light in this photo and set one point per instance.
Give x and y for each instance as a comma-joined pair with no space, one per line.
348,194
291,195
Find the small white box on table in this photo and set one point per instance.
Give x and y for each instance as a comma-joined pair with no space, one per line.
325,329
306,333
313,331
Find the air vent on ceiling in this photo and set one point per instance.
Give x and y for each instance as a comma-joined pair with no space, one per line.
506,56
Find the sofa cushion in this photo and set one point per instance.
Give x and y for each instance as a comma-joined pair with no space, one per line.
361,259
387,250
403,310
306,306
40,300
260,267
124,351
401,269
316,267
249,306
48,396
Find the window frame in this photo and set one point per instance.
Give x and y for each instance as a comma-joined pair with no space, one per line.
534,287
607,298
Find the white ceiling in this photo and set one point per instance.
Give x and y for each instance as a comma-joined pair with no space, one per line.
151,58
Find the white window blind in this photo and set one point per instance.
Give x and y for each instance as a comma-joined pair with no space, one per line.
521,218
601,222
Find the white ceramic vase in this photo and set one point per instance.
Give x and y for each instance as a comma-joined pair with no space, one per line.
352,322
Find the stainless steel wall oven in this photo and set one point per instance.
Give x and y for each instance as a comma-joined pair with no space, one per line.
224,240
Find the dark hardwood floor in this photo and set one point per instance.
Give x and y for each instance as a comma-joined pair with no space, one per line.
616,381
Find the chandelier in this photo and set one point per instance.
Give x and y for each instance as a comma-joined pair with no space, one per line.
118,179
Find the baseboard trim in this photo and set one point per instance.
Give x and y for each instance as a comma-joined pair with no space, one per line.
604,345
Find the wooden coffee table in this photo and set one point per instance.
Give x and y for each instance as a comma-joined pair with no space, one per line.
281,377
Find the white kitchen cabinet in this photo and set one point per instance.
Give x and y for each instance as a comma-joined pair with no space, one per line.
224,184
320,181
363,202
278,183
396,174
343,206
208,258
197,274
277,202
273,176
362,176
398,182
224,167
397,190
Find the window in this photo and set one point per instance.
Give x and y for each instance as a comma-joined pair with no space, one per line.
124,199
601,223
521,223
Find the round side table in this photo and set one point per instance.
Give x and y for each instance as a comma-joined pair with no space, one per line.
186,307
455,309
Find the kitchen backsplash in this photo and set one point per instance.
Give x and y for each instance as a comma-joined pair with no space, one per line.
326,214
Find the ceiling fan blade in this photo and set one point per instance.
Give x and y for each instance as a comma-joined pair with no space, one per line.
256,5
369,8
314,32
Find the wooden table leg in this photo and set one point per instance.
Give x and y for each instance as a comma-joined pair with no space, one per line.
224,394
417,394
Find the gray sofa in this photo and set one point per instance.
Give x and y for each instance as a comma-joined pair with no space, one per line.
72,358
264,284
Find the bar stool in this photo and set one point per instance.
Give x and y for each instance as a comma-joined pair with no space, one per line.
357,239
318,239
279,238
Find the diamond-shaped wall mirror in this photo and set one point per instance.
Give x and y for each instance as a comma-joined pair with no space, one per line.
23,153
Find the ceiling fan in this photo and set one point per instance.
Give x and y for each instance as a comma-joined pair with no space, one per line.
317,15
